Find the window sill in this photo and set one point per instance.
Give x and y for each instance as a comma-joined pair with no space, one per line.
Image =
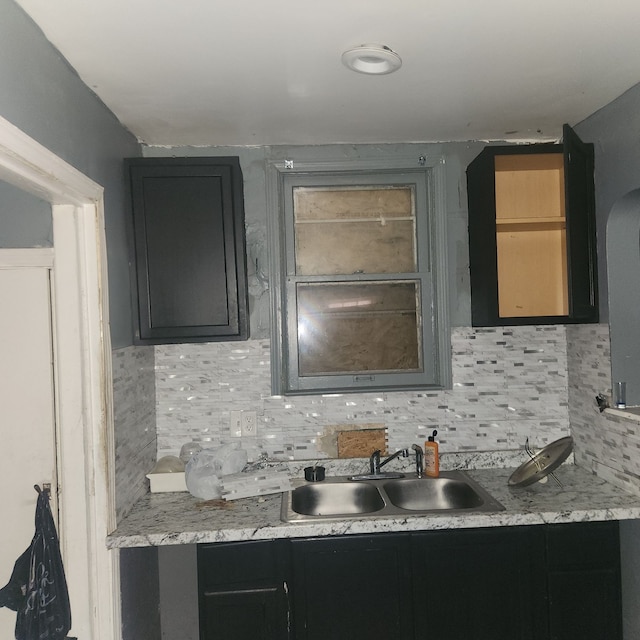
630,413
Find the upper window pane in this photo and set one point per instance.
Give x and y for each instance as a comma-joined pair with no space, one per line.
358,229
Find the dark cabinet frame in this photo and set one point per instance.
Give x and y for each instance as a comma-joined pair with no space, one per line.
580,233
187,250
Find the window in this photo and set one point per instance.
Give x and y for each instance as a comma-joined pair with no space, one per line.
359,277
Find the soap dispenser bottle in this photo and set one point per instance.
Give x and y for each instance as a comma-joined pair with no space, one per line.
431,458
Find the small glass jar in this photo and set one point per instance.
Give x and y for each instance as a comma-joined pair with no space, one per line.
188,450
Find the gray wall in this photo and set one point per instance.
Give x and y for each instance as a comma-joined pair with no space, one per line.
25,221
44,97
614,131
140,594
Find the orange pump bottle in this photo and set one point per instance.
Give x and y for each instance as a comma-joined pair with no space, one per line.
431,457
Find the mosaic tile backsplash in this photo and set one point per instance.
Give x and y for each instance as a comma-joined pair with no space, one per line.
135,423
509,383
607,444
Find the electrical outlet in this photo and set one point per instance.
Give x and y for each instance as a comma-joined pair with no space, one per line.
249,426
235,424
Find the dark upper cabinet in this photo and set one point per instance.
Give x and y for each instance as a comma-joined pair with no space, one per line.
532,236
188,250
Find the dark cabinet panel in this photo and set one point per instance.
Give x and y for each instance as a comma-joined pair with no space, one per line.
352,588
532,237
188,249
581,228
243,591
584,581
485,584
245,614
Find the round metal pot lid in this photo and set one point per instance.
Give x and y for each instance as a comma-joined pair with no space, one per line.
542,463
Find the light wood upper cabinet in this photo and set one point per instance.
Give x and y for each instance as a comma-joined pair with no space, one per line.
532,241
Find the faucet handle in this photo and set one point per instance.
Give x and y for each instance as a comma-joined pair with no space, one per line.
374,461
419,459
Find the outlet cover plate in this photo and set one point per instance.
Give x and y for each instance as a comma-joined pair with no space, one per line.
249,427
235,424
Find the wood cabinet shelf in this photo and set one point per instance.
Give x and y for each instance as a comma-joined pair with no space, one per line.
532,222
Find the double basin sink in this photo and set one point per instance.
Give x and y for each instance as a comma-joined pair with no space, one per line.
343,497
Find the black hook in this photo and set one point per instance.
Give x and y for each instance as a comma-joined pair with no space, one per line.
602,402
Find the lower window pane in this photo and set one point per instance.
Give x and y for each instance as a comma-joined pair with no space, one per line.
351,328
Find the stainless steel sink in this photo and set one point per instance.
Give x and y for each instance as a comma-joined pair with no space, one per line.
341,497
335,499
434,495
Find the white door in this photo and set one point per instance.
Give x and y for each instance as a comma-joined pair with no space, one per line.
27,433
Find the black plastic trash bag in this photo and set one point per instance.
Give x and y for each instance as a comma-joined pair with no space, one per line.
12,594
37,589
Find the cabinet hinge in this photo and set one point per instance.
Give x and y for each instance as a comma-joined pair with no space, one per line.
288,164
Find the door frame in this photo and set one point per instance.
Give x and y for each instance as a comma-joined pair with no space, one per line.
82,370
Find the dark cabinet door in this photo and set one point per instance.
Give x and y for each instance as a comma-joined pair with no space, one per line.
188,250
483,584
352,588
581,228
243,591
543,229
584,581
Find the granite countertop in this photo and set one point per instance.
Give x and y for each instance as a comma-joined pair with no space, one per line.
179,518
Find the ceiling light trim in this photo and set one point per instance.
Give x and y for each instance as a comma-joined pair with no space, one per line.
372,59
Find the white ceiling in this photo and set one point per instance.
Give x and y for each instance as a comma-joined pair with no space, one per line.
255,72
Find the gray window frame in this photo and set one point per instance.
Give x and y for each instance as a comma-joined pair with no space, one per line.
428,176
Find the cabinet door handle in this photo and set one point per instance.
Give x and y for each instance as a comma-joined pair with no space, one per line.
285,587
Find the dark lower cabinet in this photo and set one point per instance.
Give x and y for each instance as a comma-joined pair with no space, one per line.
352,588
555,582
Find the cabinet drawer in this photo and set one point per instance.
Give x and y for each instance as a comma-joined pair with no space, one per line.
236,563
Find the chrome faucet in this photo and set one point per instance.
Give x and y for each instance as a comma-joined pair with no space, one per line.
374,461
419,459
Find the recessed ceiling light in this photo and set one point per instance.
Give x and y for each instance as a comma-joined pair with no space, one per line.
375,59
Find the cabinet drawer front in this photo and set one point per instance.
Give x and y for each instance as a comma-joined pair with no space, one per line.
236,563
